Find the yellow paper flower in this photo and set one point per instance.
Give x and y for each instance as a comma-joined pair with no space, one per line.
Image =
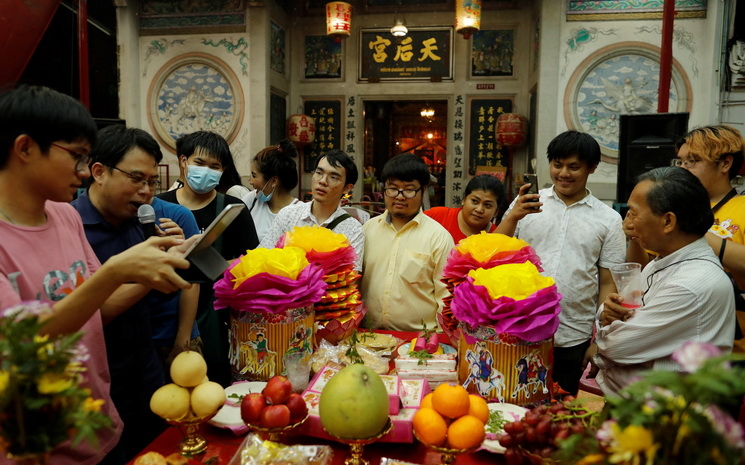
287,262
315,238
484,246
92,405
4,380
630,443
52,383
514,280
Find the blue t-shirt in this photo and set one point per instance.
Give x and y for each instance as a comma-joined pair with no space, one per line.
164,307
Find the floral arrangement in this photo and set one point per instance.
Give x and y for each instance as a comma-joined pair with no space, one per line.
329,250
270,281
513,298
339,311
43,397
670,417
480,251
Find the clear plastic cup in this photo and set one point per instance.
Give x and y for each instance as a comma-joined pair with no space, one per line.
628,280
297,366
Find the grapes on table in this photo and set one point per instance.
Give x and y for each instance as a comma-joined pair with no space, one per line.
537,435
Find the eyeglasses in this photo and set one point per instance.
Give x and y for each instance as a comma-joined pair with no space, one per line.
687,163
331,179
82,159
392,192
139,180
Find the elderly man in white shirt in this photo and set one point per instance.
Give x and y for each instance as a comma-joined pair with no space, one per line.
687,295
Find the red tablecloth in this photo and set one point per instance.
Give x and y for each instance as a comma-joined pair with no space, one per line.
223,444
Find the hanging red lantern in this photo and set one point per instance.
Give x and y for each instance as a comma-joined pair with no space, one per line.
338,20
511,130
301,129
467,17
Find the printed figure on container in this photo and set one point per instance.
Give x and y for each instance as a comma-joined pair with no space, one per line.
531,372
482,372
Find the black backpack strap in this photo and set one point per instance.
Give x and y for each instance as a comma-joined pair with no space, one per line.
338,220
218,208
724,200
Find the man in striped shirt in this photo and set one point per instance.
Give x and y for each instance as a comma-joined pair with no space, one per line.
687,295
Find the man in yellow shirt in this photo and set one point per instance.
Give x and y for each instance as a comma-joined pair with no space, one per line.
405,252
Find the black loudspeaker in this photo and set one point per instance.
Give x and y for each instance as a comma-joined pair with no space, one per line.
646,142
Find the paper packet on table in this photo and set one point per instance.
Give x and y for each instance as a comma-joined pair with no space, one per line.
255,451
387,461
329,354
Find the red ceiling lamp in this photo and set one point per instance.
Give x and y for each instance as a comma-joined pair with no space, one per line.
467,17
338,20
511,130
301,129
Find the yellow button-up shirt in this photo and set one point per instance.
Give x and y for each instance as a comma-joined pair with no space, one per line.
401,272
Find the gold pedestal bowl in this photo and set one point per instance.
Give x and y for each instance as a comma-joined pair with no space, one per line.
447,455
357,446
275,434
193,443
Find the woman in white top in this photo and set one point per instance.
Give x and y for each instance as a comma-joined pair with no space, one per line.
273,175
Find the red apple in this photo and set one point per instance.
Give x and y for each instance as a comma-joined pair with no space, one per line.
277,389
252,406
298,407
275,416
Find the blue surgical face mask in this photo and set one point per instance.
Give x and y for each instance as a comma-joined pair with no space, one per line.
265,198
202,179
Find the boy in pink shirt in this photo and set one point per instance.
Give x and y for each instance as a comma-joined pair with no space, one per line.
45,138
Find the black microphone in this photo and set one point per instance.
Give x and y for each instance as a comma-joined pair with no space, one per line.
146,216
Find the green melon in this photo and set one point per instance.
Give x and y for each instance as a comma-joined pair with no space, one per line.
354,403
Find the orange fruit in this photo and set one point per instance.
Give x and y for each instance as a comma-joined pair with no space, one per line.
479,408
430,427
426,401
466,432
451,400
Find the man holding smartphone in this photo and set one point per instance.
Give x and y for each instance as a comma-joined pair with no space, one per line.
577,238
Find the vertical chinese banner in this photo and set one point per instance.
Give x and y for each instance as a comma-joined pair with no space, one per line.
328,117
485,153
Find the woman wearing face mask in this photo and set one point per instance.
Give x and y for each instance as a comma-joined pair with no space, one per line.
273,176
483,196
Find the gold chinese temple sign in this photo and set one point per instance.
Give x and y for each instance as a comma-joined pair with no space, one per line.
424,54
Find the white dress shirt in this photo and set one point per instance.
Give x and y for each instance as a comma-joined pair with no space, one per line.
687,297
299,214
573,242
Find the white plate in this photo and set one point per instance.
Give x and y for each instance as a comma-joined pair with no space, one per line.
230,414
510,412
403,349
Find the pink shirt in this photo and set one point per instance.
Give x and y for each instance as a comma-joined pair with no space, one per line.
46,263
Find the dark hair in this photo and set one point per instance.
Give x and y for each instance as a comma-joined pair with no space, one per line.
115,141
486,183
230,176
570,143
211,142
339,158
277,160
406,167
45,115
680,192
713,143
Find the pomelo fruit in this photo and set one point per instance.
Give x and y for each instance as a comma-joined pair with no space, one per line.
170,402
207,398
354,403
188,369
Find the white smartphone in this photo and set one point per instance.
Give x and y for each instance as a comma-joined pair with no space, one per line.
217,227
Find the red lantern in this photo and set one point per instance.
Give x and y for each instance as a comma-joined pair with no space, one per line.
511,130
301,129
338,20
